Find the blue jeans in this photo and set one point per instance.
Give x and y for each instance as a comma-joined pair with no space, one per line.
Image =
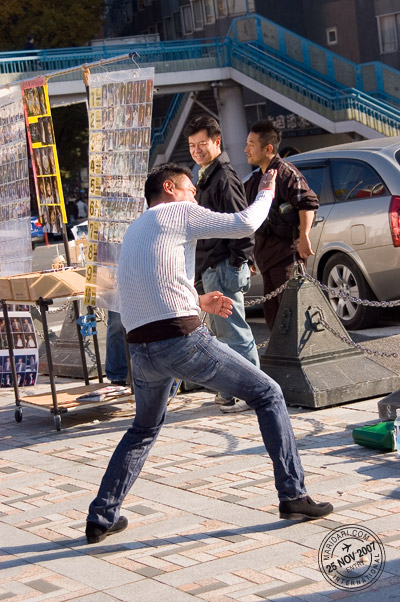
234,331
116,364
198,357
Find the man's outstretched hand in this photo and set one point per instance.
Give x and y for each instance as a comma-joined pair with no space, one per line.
216,303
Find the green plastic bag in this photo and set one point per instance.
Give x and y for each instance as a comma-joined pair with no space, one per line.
377,436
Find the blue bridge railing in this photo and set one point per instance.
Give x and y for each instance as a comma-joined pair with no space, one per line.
265,52
159,135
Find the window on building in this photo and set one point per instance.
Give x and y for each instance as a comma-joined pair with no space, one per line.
239,7
177,25
168,29
197,14
140,4
331,36
209,11
187,19
389,32
222,8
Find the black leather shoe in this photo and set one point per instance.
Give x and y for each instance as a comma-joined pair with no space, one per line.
95,533
304,507
119,383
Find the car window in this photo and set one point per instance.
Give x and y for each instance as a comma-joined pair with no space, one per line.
316,177
355,180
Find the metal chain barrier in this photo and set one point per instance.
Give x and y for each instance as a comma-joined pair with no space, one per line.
351,343
335,293
274,293
299,271
55,310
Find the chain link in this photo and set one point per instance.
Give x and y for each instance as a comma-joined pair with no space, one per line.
54,310
274,293
351,343
299,272
335,293
100,315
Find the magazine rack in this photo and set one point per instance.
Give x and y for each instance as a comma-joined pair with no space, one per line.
63,285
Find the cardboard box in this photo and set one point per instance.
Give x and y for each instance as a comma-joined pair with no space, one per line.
77,250
5,289
49,285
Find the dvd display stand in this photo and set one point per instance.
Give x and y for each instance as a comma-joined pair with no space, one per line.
63,285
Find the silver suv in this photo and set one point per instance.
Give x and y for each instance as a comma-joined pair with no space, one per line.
356,234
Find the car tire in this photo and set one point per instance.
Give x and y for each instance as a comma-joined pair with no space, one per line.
343,275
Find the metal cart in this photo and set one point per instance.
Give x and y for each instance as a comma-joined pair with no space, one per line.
57,403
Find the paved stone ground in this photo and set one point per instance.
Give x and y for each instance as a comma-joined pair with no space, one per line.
203,516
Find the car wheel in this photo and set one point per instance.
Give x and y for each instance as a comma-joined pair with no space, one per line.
344,276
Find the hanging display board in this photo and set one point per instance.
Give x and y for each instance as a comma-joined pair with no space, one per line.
120,108
25,347
44,155
15,223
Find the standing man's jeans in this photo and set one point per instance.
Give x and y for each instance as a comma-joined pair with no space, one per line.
116,365
201,358
234,331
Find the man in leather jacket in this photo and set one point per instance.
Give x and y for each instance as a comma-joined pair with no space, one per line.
222,264
284,236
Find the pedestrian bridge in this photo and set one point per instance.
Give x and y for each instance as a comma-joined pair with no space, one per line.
307,79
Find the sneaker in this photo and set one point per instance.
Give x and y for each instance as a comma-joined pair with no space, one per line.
234,406
95,533
304,507
220,400
119,383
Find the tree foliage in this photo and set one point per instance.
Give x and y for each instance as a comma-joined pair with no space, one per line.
71,130
52,23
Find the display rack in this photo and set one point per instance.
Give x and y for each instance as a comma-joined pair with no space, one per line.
62,401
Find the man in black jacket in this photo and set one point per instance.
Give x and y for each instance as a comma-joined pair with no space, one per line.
284,236
222,264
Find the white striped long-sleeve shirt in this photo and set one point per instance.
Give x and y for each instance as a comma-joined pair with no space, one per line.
157,262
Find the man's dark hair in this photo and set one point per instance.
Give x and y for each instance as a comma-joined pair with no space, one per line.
205,122
158,175
268,133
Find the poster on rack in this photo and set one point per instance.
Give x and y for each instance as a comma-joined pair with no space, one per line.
15,212
120,108
25,346
42,146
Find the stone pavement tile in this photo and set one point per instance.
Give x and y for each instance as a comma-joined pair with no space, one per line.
283,574
96,597
380,591
222,458
258,577
149,591
256,559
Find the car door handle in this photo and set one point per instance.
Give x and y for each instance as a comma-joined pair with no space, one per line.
318,220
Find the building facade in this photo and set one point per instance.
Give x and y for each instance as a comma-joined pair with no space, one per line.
361,31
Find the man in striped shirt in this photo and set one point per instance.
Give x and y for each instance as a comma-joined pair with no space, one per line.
284,235
160,312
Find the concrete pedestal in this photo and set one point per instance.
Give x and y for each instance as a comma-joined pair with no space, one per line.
314,367
388,405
